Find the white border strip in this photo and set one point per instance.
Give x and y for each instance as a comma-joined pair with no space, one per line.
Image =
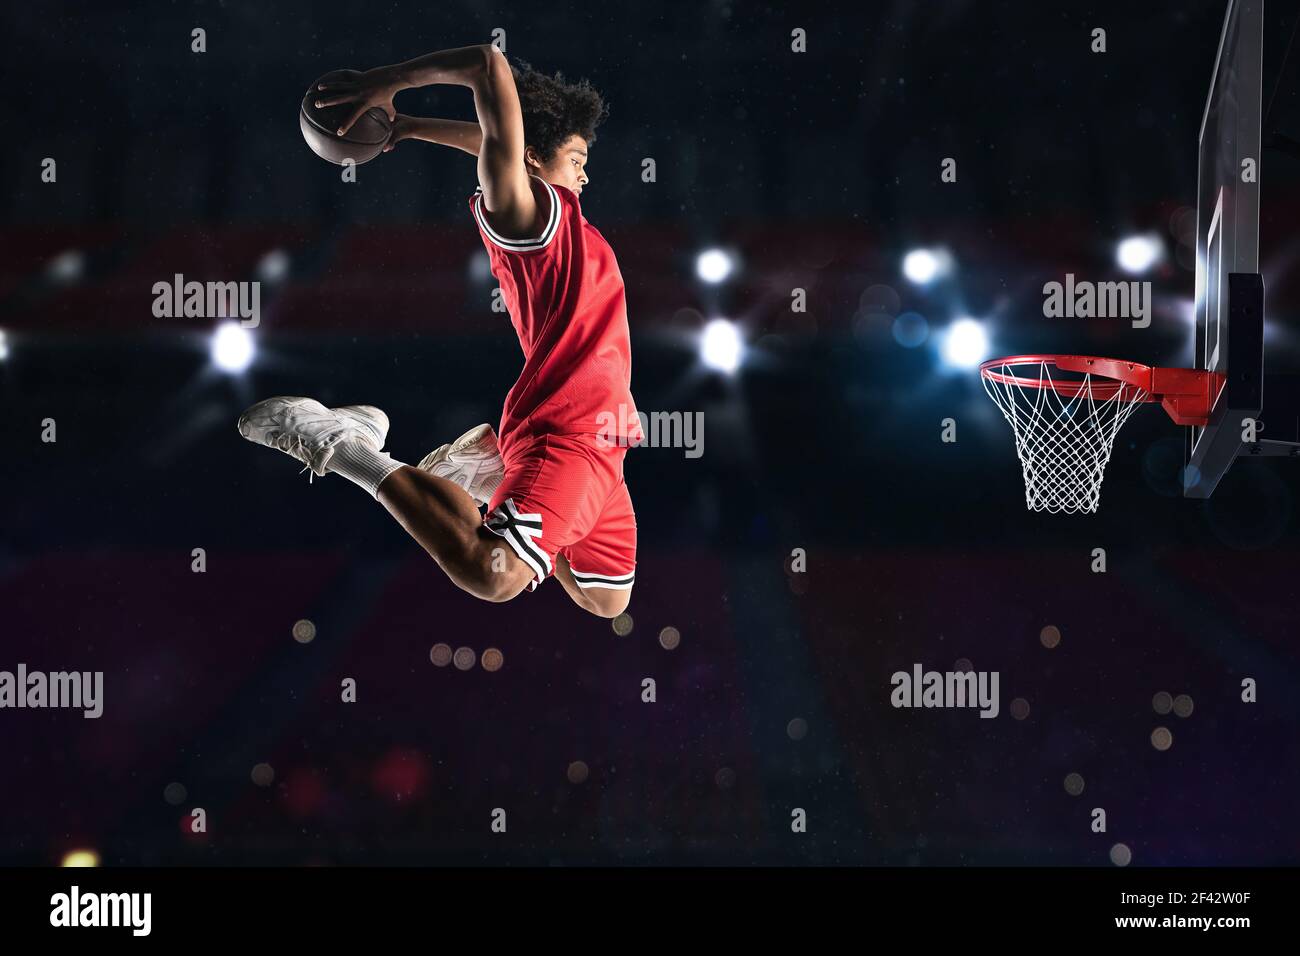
522,245
615,582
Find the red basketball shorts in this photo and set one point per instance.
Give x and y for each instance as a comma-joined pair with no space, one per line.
565,494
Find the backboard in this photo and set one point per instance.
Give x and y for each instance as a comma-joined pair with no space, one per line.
1229,289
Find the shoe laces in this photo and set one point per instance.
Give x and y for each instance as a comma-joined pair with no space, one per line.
292,443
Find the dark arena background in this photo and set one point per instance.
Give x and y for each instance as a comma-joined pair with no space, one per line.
830,528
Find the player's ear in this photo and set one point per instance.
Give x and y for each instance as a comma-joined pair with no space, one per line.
531,158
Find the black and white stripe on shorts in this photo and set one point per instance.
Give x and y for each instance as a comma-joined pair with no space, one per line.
617,582
520,532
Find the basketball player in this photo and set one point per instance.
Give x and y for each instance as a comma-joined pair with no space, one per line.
552,480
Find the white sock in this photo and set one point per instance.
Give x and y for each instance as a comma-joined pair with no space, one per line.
362,465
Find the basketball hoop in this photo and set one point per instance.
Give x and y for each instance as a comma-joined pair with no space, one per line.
1066,411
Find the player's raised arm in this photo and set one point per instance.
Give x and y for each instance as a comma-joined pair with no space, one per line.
507,194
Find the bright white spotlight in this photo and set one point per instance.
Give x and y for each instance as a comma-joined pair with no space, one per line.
923,266
721,347
4,346
713,265
232,347
1137,254
920,266
966,344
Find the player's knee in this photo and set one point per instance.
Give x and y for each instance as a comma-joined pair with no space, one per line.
499,592
501,586
606,602
491,571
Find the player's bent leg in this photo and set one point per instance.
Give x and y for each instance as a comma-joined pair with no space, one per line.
592,597
444,519
605,603
439,514
497,575
598,571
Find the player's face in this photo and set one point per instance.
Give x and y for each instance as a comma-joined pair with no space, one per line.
568,167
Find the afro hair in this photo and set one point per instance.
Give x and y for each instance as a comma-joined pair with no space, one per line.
555,109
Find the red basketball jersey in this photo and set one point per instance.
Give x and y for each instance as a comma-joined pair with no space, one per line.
566,300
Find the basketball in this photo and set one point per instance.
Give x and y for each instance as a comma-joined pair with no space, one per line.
363,142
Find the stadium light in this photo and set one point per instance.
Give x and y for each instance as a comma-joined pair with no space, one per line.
67,267
1137,254
274,266
232,348
923,266
966,344
721,345
714,265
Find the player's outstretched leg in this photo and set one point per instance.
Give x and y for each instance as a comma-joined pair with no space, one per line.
440,515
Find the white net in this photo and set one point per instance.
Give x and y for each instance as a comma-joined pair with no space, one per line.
1065,427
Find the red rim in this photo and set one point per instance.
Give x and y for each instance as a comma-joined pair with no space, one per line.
1187,394
1122,375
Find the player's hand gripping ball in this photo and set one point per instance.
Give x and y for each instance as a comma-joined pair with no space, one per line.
352,102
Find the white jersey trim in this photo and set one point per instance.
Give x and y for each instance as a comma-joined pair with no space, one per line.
521,245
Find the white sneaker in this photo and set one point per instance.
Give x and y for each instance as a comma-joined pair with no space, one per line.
472,461
307,430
